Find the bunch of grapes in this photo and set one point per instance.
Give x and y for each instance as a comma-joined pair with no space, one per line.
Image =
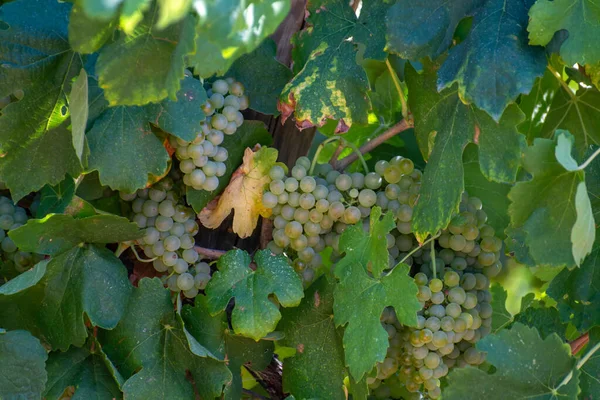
12,217
202,161
169,241
311,211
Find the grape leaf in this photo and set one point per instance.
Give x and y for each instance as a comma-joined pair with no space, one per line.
386,99
501,318
247,135
230,29
131,12
444,120
153,351
55,199
243,194
317,370
590,372
483,64
58,233
213,332
171,11
87,369
123,147
330,84
545,319
263,76
22,370
87,35
86,279
526,367
492,194
424,28
35,143
575,112
254,315
581,18
365,340
160,52
577,291
537,104
546,207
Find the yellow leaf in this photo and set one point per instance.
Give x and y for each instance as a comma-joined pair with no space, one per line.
244,193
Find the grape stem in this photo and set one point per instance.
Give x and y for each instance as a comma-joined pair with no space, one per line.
433,259
211,254
372,144
420,246
358,154
579,364
589,160
140,259
319,149
398,88
336,153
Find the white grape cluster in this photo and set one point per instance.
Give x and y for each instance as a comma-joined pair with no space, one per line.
169,230
311,212
12,217
202,161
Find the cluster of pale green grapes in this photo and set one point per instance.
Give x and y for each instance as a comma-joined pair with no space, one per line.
169,230
12,217
202,161
311,211
456,310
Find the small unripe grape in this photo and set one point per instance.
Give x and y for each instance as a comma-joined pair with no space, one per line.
217,100
185,281
220,86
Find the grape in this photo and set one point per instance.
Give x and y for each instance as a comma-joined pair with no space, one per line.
351,215
392,174
404,213
163,224
172,243
220,86
373,181
303,161
185,281
367,198
136,206
244,103
180,266
232,101
139,219
380,166
343,182
291,185
211,183
307,201
216,136
166,208
298,172
151,235
269,200
8,246
301,215
201,280
293,229
221,155
124,196
236,88
308,184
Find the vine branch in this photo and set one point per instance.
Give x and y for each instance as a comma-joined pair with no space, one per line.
372,144
211,254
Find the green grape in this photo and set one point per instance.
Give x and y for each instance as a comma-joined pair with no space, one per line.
185,281
277,187
447,323
280,238
486,259
358,180
269,200
163,224
392,191
236,88
312,229
404,213
299,243
293,229
451,278
158,248
222,87
351,215
380,166
470,301
424,293
180,266
334,196
166,208
282,198
159,265
433,324
320,192
457,242
425,335
308,184
353,193
279,222
232,101
437,297
373,180
468,281
139,219
392,174
453,309
172,243
367,198
322,205
421,279
306,254
8,246
336,210
301,215
304,162
307,201
294,199
343,182
189,256
291,184
219,121
432,360
277,173
436,285
459,264
457,295
151,235
198,177
187,241
287,212
177,229
298,172
481,282
315,216
190,294
332,176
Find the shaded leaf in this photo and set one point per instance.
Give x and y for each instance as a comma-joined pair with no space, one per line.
501,318
263,76
590,372
483,64
79,113
243,194
87,279
58,233
545,319
537,104
22,370
153,351
213,332
317,370
88,35
254,315
35,142
526,367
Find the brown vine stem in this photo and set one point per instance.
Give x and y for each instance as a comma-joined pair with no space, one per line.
370,145
336,153
579,343
211,254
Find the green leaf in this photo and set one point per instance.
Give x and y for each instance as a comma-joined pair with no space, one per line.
444,120
483,64
25,280
230,29
386,99
575,112
146,66
55,199
330,84
545,319
124,148
58,233
501,318
89,371
526,367
87,35
365,340
79,113
87,279
429,29
35,143
545,208
590,372
213,332
581,18
22,370
493,195
318,369
263,76
171,11
152,349
577,292
254,315
247,135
